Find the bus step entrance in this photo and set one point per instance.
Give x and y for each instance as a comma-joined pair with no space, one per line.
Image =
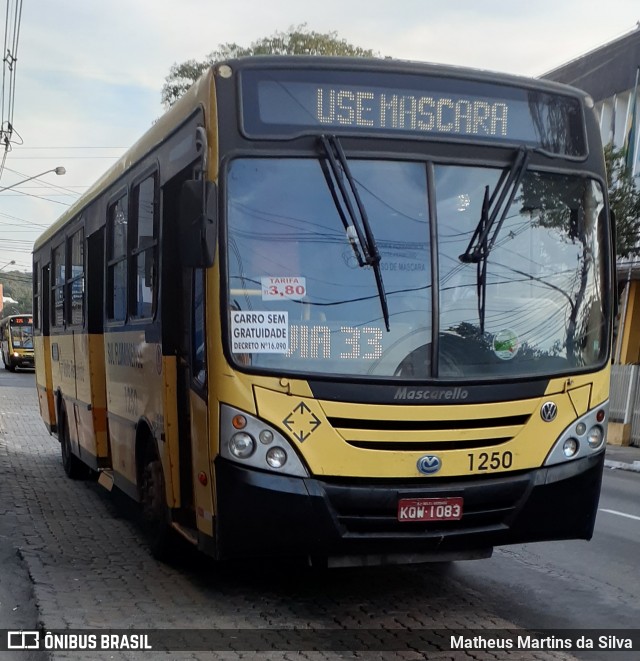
188,534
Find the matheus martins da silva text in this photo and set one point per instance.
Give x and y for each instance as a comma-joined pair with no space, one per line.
527,642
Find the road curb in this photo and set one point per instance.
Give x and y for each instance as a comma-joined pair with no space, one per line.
622,465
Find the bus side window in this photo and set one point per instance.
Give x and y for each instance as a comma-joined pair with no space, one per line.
198,333
75,279
37,294
117,260
58,285
145,236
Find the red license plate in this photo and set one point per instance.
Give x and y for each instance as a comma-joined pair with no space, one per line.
429,509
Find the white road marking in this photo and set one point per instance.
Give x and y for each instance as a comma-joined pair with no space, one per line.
629,516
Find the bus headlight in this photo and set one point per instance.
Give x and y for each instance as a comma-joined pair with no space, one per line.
595,437
570,447
252,442
575,442
276,457
242,445
266,436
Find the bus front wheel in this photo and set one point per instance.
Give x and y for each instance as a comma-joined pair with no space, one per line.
155,512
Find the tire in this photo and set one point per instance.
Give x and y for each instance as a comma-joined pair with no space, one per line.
73,467
156,519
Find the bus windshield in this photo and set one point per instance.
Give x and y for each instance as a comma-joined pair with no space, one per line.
299,302
22,336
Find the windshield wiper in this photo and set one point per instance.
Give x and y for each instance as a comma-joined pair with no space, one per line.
481,266
480,245
494,205
354,218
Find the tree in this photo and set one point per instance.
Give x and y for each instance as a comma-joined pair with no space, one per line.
624,200
297,40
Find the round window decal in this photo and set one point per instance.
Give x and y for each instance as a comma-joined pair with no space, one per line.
505,344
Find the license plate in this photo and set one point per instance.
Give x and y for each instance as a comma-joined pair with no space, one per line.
429,509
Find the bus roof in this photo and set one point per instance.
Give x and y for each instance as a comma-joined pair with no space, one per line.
402,66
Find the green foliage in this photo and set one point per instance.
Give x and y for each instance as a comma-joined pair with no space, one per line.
180,79
624,200
297,40
16,285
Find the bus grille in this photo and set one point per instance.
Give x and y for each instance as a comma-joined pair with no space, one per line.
428,435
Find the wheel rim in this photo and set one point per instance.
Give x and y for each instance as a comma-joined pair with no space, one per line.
152,496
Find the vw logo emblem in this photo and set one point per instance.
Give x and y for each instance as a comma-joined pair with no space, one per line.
548,411
429,464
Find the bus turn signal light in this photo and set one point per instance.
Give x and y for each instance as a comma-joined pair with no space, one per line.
239,421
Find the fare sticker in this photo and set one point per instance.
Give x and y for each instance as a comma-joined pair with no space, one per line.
291,288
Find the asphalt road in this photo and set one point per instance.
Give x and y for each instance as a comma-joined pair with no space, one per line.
576,583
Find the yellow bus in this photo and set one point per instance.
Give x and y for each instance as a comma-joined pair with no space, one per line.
16,340
349,310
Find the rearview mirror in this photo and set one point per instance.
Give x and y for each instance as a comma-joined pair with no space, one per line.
198,223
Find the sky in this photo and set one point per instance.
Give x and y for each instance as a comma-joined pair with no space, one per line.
89,73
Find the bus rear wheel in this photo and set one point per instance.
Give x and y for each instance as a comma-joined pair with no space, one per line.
73,467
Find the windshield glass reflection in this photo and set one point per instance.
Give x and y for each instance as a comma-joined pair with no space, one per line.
300,303
289,254
543,305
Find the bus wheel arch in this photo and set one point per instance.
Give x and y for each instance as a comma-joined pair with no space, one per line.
156,517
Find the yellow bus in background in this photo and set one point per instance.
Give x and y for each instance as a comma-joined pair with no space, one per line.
16,341
351,310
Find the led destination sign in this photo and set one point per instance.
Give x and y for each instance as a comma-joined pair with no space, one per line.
18,321
440,114
289,103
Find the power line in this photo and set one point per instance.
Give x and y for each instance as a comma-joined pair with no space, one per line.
18,193
57,158
63,147
24,221
9,62
46,199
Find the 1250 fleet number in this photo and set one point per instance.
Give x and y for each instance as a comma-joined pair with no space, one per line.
490,461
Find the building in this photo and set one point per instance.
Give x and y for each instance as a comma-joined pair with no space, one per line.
610,75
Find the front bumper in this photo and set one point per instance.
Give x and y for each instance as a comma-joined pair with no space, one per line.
265,514
22,360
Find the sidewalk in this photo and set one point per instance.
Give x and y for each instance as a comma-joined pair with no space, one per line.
623,457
